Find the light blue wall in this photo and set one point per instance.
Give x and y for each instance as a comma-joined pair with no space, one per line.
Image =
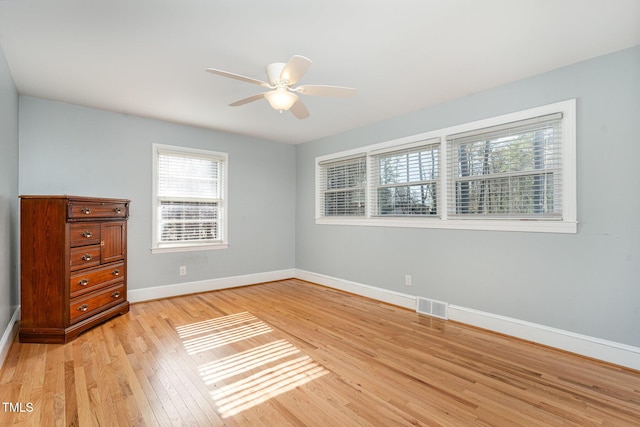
9,294
587,282
66,149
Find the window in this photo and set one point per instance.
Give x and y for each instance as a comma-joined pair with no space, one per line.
514,172
508,171
405,181
189,199
342,183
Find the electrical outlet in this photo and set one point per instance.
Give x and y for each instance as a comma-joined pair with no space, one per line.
407,280
183,270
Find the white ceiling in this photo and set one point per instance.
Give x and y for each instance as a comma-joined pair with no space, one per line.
147,57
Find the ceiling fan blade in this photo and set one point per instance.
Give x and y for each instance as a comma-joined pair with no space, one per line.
322,90
237,77
299,110
295,69
247,100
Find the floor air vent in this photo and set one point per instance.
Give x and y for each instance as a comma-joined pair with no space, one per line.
432,308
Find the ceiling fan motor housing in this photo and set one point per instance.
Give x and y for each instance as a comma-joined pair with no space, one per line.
273,73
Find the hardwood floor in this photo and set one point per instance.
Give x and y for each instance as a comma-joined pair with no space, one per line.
294,353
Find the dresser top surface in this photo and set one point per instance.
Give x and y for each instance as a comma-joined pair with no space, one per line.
76,198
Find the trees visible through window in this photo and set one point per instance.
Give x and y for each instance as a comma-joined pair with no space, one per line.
406,181
512,171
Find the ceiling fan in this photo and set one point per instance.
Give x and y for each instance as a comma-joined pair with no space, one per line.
282,78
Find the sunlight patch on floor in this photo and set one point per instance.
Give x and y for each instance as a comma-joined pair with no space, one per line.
246,360
220,332
262,386
248,376
214,324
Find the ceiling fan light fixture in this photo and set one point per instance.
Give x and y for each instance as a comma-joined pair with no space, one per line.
281,99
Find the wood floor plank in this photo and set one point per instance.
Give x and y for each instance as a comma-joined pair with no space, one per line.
291,353
53,396
68,393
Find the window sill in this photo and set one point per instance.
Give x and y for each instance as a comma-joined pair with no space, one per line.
568,227
192,248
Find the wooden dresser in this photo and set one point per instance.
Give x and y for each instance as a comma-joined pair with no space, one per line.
73,265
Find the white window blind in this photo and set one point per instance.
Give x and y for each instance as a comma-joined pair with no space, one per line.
189,195
513,170
406,180
342,185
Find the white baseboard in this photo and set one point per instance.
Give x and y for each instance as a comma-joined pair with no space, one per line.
596,348
379,294
8,335
156,292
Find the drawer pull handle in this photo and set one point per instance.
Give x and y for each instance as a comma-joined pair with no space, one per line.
83,282
85,211
83,307
116,272
118,210
87,234
116,294
86,257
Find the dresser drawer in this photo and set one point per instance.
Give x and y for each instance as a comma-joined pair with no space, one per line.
83,257
83,234
92,279
98,210
86,306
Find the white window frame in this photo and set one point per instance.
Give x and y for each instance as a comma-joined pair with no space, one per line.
158,247
567,224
